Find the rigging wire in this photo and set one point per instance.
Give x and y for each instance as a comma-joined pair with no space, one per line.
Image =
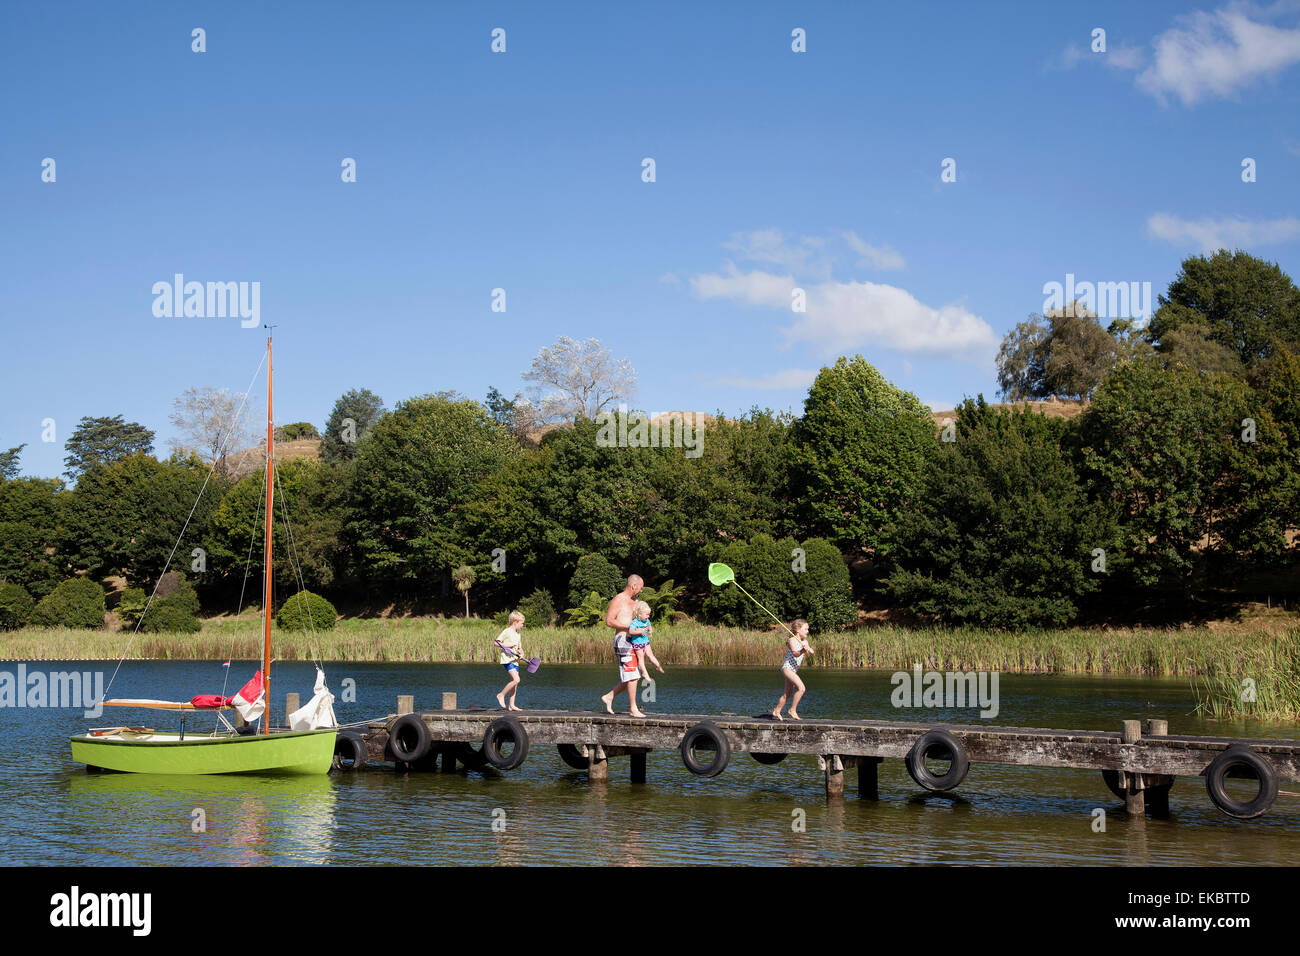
211,471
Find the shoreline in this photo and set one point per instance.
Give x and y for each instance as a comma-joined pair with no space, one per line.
1254,649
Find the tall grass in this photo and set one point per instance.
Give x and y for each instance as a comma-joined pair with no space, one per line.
1266,687
1188,652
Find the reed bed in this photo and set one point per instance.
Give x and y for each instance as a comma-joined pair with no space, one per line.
1270,691
1192,652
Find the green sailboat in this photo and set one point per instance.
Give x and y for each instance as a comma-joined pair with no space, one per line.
307,748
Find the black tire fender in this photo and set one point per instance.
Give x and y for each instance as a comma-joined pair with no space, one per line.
571,754
500,730
408,738
768,759
349,750
705,730
1230,763
933,743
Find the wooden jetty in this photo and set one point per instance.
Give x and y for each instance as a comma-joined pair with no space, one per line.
1139,762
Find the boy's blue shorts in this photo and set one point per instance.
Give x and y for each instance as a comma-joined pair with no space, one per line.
512,666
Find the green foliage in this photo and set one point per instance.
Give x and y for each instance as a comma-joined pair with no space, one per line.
596,573
1245,304
125,517
1158,443
414,478
30,513
313,497
98,441
15,606
1065,353
354,417
662,600
815,586
538,608
175,606
131,605
1003,532
858,455
296,431
306,611
77,602
589,612
10,462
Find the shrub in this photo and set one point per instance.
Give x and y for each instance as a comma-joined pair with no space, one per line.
168,614
820,591
175,606
589,612
305,611
538,608
823,592
596,573
15,606
662,600
295,431
131,606
762,567
77,602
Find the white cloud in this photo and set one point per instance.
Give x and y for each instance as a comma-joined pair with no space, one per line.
784,379
1215,54
1210,235
857,315
879,257
798,254
751,288
1122,57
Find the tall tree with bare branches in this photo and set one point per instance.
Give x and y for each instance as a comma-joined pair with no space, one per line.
575,380
207,421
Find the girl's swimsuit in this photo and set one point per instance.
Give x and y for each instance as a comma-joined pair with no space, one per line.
640,640
792,661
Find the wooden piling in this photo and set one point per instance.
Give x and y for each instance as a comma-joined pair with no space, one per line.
1158,785
834,768
405,704
448,700
638,766
290,705
597,764
1134,787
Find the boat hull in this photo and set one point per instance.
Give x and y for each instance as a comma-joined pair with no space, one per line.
294,752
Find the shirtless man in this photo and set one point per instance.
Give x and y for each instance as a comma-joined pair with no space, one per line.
619,617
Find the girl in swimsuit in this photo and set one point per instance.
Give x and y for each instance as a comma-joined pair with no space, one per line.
796,646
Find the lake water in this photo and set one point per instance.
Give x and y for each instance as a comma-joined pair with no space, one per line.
53,812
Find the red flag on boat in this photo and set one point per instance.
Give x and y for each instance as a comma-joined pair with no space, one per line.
250,700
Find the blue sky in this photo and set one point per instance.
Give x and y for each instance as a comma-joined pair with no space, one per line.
522,170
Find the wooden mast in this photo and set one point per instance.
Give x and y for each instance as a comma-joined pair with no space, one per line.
266,548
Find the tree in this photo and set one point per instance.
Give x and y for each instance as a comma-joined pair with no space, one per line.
511,413
125,517
101,440
415,475
1063,353
463,577
594,572
296,431
31,511
577,380
210,426
1246,305
1158,442
355,414
857,455
9,465
1002,533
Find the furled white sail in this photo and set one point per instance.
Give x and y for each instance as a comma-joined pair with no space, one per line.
317,712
